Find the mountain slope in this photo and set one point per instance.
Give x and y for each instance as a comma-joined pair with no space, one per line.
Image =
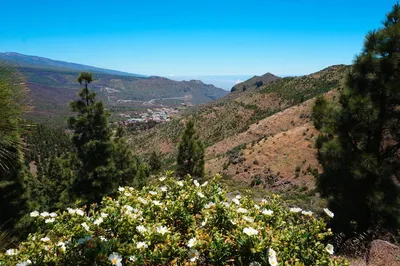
278,112
37,61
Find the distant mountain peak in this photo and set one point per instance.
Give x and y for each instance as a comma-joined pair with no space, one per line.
255,82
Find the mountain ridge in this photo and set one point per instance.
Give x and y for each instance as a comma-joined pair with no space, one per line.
33,60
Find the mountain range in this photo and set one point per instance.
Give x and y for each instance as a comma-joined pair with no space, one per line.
53,84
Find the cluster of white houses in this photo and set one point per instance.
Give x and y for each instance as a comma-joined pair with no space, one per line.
157,115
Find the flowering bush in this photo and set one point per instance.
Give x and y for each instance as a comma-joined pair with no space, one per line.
177,223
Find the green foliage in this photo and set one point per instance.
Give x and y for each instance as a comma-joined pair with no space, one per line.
177,223
190,158
155,162
359,144
12,183
103,161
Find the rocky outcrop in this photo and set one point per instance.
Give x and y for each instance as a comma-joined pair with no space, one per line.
383,253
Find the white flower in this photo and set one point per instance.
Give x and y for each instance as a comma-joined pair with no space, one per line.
153,193
141,229
142,200
53,214
249,219
209,205
103,239
308,213
201,195
255,263
295,210
267,212
162,230
128,208
115,259
98,221
50,220
24,263
62,245
196,183
250,231
272,257
236,201
45,214
79,212
127,194
193,255
45,239
71,211
271,252
162,178
121,189
192,242
84,225
257,207
132,258
329,213
11,252
140,245
157,203
180,183
163,189
204,222
103,215
205,184
329,249
233,222
219,191
238,196
131,188
242,210
34,214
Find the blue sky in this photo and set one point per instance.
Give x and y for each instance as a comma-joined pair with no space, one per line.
188,38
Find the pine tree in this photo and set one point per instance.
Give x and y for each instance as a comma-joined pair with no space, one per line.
103,161
154,162
190,158
12,184
360,137
92,139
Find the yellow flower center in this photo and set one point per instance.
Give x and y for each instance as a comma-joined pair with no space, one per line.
114,261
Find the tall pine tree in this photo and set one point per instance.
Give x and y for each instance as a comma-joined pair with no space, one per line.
190,158
92,139
103,161
360,137
12,183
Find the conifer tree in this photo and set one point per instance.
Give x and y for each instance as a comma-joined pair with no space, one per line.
92,139
12,183
190,158
360,137
154,162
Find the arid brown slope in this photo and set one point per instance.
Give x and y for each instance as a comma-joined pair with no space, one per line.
258,132
279,146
